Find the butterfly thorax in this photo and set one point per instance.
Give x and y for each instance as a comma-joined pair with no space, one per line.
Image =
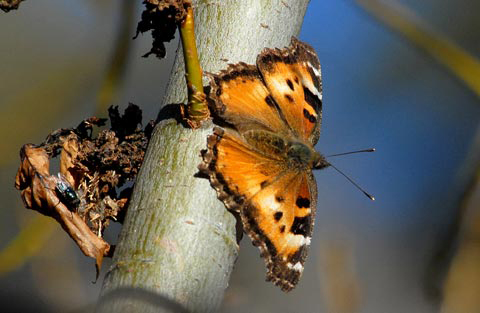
304,156
297,154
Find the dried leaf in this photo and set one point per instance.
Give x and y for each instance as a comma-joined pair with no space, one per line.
84,196
8,5
67,160
30,176
39,192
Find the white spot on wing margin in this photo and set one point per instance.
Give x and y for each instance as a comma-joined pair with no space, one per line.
296,267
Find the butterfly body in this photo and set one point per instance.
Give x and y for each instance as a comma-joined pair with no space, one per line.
261,161
294,153
305,157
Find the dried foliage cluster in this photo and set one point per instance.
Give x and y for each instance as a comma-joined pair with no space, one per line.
7,5
162,18
85,195
90,188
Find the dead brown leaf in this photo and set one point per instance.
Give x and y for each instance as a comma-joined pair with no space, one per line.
39,193
84,197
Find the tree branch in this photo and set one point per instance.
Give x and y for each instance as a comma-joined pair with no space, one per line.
178,240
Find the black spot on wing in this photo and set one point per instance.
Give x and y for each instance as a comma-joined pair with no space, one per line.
263,184
301,225
272,103
278,216
290,84
289,98
312,99
303,202
279,198
282,228
269,101
309,116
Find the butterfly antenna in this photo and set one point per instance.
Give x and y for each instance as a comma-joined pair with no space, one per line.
352,152
371,197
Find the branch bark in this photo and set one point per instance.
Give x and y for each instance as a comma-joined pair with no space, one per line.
178,241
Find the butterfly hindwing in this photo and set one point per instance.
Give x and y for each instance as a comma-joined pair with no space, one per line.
280,221
236,171
277,205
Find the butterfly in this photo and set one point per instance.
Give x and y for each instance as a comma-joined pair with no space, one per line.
260,162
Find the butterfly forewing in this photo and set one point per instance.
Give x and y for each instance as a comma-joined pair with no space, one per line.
292,76
241,99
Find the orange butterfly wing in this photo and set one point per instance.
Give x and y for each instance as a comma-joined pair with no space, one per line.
276,200
242,100
280,222
276,205
292,75
236,171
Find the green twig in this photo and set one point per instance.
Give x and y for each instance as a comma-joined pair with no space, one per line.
197,109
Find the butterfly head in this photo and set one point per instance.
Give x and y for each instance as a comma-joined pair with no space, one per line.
319,161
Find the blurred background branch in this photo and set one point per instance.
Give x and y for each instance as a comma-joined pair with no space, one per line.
416,30
461,288
29,241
